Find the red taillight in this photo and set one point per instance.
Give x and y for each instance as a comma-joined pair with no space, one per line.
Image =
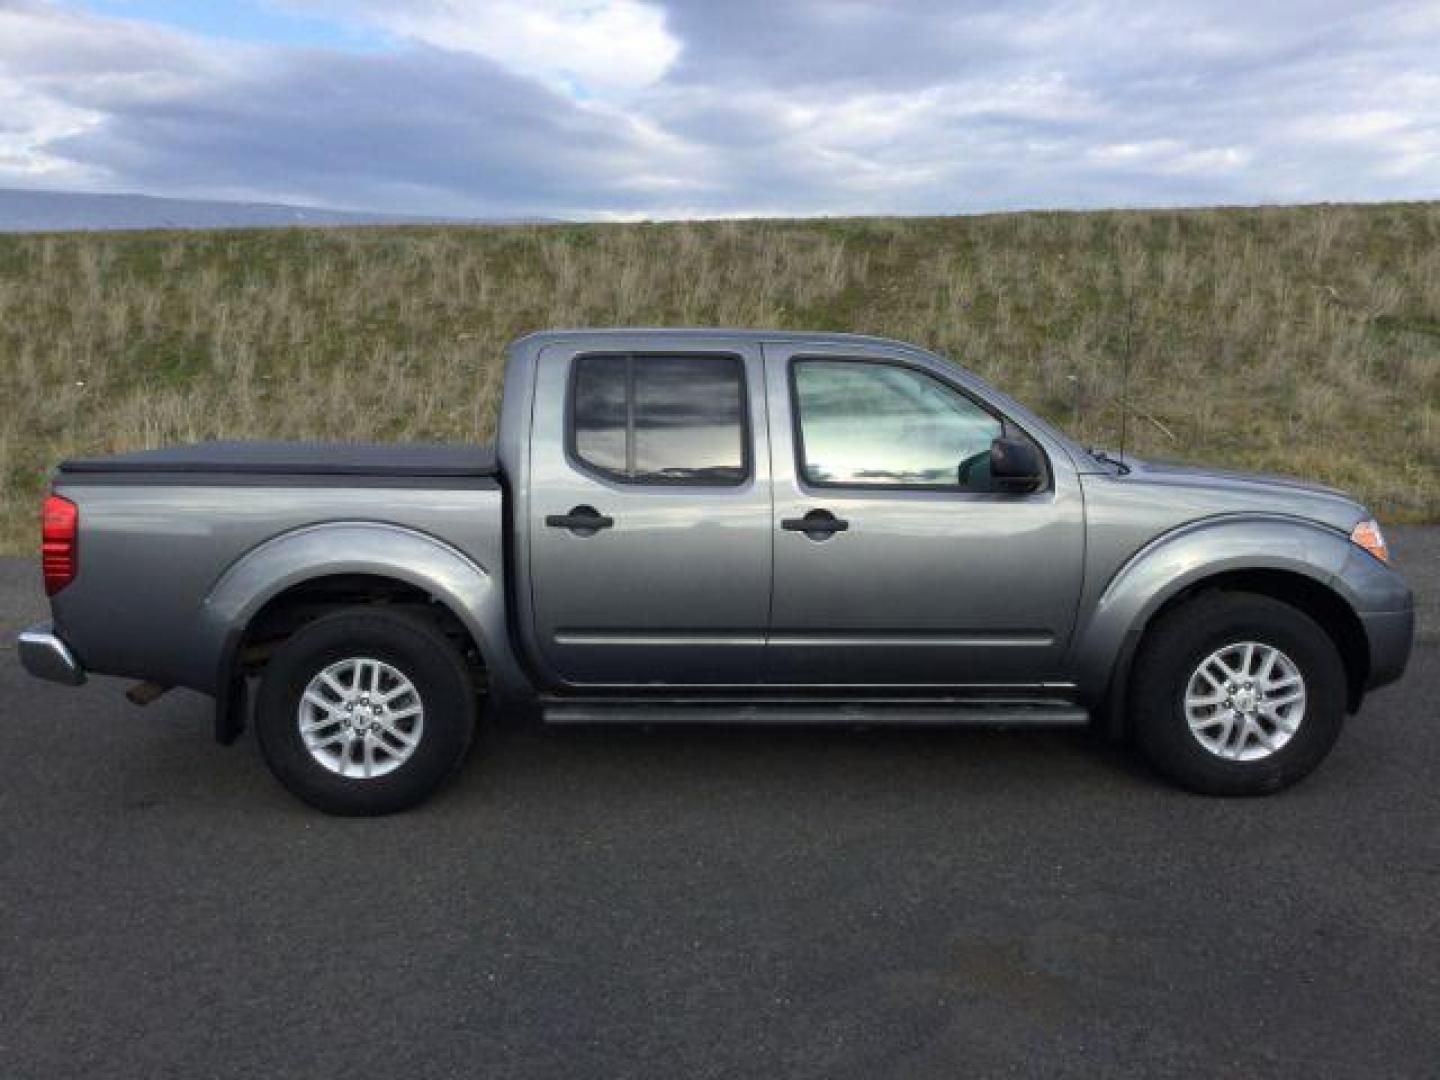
59,541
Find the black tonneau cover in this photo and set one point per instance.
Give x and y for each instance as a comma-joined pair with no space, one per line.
299,459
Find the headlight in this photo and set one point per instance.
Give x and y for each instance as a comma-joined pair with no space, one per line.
1368,535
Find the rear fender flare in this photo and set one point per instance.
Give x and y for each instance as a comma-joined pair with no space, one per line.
470,591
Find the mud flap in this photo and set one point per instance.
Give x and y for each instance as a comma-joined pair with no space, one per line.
231,707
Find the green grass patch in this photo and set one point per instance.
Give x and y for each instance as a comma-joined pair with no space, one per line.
1300,339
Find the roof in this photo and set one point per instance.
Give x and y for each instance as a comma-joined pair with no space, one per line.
540,338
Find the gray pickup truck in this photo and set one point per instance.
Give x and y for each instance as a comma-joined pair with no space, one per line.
721,526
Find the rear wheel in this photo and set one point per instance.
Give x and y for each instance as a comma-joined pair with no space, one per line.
365,711
1237,694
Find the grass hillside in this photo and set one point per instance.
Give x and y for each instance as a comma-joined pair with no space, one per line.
1303,340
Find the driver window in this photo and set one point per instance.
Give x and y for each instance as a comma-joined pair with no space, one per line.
866,424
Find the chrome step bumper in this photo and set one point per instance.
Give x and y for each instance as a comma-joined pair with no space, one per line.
47,657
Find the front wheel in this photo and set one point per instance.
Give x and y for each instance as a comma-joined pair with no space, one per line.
1237,694
365,711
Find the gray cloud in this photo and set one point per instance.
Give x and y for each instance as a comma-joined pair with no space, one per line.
840,106
423,129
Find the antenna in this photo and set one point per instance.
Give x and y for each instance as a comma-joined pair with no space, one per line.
1125,369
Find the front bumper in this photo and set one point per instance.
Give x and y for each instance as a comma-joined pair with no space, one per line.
1379,594
45,656
1390,634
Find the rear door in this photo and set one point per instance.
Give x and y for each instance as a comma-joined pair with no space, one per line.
913,573
650,514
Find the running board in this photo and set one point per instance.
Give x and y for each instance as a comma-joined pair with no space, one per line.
893,713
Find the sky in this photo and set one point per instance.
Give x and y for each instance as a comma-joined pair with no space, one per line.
630,109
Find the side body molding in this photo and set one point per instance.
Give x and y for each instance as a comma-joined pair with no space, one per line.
475,594
1106,642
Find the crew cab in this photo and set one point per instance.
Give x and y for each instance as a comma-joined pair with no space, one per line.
714,526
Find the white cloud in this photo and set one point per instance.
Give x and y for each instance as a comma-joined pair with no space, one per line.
32,122
1170,156
1353,126
61,72
583,48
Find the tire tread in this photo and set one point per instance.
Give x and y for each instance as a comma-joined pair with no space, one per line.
1163,666
430,658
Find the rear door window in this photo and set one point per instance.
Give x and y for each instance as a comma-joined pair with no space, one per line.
648,419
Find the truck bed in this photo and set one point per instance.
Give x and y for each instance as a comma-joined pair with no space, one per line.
299,459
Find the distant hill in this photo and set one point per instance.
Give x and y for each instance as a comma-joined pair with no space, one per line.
65,211
1291,339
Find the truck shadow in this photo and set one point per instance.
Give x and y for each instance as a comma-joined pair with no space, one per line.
618,763
94,751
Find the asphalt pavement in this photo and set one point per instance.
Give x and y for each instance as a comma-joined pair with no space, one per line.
682,904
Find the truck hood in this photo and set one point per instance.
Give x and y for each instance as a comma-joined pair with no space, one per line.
1231,490
1180,471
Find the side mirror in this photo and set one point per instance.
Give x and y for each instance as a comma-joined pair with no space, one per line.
1015,467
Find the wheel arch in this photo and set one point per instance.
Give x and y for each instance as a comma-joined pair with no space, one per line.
353,562
1294,561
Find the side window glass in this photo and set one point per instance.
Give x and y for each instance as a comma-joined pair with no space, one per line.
601,409
865,424
661,419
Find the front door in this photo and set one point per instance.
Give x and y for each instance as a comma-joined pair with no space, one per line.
650,516
895,564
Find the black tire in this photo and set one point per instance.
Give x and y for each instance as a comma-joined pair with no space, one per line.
411,645
1175,647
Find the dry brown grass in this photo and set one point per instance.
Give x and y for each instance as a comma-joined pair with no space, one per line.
1305,340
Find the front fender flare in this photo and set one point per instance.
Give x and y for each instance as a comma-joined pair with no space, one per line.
474,594
1183,558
